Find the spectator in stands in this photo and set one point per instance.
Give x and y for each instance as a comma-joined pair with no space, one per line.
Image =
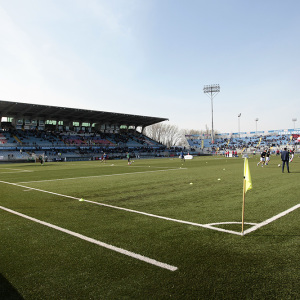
285,155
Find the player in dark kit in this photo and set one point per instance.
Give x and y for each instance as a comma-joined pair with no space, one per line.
267,157
285,157
262,158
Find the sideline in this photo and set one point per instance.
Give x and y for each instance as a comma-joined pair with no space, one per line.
99,243
268,221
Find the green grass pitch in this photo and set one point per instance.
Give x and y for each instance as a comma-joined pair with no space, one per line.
149,209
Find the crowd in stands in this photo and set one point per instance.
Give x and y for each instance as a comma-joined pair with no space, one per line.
254,142
29,137
55,143
61,144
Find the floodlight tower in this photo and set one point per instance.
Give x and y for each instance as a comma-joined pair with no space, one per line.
211,91
294,120
239,116
256,120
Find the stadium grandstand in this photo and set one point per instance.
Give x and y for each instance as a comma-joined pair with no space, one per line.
29,131
245,142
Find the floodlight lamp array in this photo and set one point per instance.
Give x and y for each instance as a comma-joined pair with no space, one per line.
213,88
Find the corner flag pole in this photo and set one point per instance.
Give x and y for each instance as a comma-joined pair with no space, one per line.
246,186
243,210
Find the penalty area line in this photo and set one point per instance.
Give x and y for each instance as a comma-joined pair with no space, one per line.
21,170
11,170
98,176
99,243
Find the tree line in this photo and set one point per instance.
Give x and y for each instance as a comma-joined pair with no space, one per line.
171,135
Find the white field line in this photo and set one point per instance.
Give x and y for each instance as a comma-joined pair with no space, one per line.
165,218
224,223
209,226
15,170
268,221
99,243
97,176
131,166
102,165
39,190
127,209
10,169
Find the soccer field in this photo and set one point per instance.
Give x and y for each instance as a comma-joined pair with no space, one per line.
157,229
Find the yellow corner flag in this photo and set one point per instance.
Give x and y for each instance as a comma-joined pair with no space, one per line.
247,176
246,186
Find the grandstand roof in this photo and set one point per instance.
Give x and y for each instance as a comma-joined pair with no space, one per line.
47,112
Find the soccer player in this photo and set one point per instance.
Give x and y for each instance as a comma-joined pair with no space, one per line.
103,157
267,157
41,159
262,158
292,153
128,158
182,156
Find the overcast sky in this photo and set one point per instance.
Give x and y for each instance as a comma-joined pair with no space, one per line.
153,58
